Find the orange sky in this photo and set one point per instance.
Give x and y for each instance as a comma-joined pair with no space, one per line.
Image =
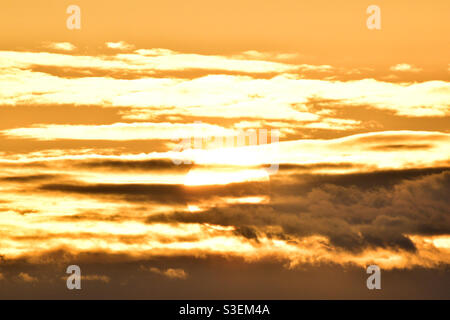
113,137
321,31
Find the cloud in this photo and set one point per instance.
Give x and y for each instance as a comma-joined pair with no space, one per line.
353,218
96,184
164,193
161,193
404,67
29,178
63,46
95,277
126,80
120,45
361,152
394,147
334,124
170,272
144,165
310,218
92,277
120,131
146,59
27,278
366,149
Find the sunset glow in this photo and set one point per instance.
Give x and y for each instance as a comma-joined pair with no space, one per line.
247,141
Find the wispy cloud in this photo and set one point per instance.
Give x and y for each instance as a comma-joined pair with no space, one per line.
170,272
285,95
404,67
63,46
121,131
27,278
120,45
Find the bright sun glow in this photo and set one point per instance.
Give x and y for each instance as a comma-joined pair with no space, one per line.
211,177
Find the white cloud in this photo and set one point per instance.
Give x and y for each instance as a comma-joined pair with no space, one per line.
64,46
232,96
404,67
121,45
121,131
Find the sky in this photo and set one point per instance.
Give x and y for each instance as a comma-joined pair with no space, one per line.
239,149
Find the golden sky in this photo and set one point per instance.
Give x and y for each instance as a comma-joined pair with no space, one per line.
121,140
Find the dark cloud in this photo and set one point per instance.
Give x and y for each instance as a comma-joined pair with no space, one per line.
159,165
354,211
398,147
246,232
353,218
29,178
94,216
161,193
365,180
319,166
31,164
